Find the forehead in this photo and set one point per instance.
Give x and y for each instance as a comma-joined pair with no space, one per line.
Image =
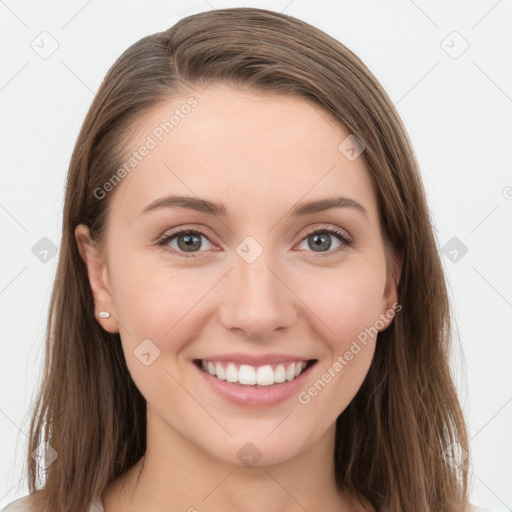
249,149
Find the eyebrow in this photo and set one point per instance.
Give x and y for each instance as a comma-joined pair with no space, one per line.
212,208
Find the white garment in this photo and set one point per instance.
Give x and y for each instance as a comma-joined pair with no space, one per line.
21,505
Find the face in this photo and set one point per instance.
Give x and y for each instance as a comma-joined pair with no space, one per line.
256,291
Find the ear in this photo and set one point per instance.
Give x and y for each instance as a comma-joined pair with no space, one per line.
390,297
98,278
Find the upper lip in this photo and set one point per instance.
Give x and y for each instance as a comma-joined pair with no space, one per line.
255,360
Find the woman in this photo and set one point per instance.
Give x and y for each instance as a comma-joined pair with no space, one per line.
249,310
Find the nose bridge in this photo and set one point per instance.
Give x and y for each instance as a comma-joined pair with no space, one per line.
256,300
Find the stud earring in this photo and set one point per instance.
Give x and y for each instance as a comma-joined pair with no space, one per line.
104,314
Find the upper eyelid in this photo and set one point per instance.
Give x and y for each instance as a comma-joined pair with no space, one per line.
327,227
185,229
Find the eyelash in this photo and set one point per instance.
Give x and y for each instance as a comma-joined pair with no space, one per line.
346,242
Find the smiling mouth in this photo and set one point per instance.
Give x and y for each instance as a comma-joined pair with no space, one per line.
254,376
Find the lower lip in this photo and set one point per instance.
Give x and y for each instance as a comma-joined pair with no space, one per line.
254,396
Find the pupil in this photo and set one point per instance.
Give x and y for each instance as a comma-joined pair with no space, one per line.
191,242
319,239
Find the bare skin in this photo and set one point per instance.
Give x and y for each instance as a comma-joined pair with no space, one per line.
259,155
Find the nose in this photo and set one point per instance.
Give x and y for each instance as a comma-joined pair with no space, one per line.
257,300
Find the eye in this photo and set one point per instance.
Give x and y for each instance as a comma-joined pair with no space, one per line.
320,238
188,242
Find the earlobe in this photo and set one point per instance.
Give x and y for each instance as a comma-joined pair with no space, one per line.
97,272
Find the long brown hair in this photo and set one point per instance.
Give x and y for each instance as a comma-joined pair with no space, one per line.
393,439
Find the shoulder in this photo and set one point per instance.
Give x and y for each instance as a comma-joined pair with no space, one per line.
26,504
474,508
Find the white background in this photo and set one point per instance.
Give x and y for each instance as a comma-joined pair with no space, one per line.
458,112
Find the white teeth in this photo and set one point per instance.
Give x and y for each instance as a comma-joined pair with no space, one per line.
265,376
231,373
247,374
290,372
250,375
220,372
279,374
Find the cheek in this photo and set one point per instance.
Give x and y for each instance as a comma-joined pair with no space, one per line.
155,308
161,303
349,308
150,295
348,301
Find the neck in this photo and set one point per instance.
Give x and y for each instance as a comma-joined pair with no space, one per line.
175,475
